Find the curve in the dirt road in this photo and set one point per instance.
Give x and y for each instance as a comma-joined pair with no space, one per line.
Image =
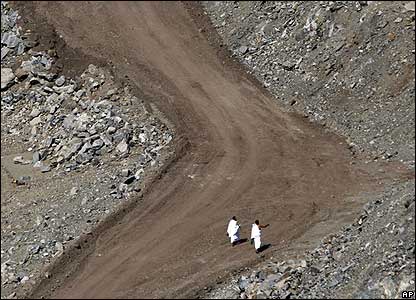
246,158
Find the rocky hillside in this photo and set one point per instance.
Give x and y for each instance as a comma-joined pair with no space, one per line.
350,66
346,64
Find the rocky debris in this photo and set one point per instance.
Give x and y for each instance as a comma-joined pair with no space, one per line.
74,123
81,133
331,61
372,258
13,43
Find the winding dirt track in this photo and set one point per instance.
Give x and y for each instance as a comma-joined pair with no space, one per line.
246,158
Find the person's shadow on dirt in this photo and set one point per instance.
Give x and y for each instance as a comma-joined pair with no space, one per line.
264,247
240,241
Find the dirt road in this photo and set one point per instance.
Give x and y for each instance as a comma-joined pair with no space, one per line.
245,157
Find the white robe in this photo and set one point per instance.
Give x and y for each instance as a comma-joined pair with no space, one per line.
256,235
252,231
233,231
236,236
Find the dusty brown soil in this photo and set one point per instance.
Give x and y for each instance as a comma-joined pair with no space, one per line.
243,157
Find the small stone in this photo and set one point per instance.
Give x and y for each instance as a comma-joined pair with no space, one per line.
59,247
138,173
22,180
123,147
73,191
69,122
20,48
97,144
60,81
24,279
45,169
243,49
21,160
125,172
7,77
36,157
391,36
35,121
111,92
4,51
111,130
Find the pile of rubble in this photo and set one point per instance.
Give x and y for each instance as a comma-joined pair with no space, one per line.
12,43
70,124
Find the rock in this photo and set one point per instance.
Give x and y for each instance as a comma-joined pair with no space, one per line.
410,6
87,146
261,275
59,247
20,48
23,180
21,160
36,157
83,158
111,92
7,77
111,130
69,122
11,41
76,146
391,36
106,139
73,191
35,121
97,144
34,113
123,147
38,164
4,51
243,49
138,173
22,73
288,66
45,169
24,279
122,187
125,172
60,81
243,283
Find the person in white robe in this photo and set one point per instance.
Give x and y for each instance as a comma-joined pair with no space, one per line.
256,234
253,230
233,231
